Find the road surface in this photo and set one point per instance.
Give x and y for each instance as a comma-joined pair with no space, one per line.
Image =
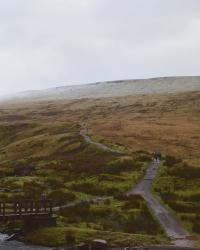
168,221
88,139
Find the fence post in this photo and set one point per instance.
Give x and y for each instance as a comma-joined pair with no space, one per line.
20,208
51,206
25,206
31,206
4,210
45,206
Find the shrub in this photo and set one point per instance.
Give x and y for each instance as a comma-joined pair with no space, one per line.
142,222
100,211
170,161
121,165
61,196
196,225
184,207
134,201
78,210
195,197
184,171
144,157
54,182
33,189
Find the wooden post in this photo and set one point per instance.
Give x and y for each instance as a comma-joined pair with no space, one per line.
31,206
15,207
20,208
50,207
25,206
4,210
45,206
36,207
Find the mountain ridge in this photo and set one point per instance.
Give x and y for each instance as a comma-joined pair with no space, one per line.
159,85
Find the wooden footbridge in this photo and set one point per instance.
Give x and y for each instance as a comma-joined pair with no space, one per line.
24,209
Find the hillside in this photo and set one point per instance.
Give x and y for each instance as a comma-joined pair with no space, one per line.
42,150
114,89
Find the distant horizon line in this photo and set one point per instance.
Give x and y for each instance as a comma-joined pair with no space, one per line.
93,83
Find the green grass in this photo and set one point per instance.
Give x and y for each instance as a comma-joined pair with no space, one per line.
56,237
178,185
52,158
128,214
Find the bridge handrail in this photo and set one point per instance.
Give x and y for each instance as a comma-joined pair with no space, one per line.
25,207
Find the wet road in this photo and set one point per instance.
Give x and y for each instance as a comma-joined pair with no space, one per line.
168,221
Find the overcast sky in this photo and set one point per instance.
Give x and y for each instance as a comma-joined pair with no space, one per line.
46,43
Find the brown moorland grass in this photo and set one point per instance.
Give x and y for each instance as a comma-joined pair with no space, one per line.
41,141
170,123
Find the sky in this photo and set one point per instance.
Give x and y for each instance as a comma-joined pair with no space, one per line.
48,43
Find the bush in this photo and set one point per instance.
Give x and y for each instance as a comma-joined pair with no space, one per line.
81,209
86,187
94,188
184,207
54,182
184,171
144,157
61,196
33,189
121,165
170,161
100,211
195,197
196,225
134,201
142,222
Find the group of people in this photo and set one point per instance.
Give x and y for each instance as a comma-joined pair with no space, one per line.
157,155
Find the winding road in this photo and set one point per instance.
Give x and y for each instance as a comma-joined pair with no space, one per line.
88,139
170,223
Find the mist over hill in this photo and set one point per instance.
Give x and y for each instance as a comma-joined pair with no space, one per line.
160,85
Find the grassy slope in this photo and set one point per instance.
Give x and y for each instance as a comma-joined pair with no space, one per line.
56,237
41,151
120,222
178,184
170,123
40,143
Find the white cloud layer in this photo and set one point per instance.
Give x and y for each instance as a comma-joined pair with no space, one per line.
46,43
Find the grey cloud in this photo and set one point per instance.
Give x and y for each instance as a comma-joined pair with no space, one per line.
45,43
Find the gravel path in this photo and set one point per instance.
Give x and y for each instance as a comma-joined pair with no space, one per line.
97,144
172,226
77,202
168,221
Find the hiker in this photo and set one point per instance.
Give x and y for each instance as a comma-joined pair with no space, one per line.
157,155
